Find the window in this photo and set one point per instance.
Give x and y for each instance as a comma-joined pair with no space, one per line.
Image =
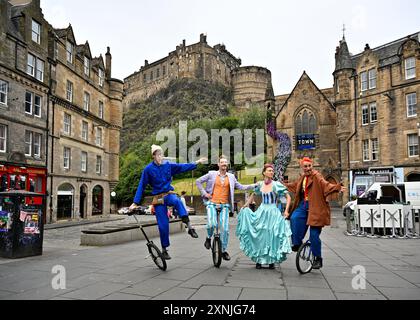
410,68
101,110
85,132
37,145
28,143
31,65
365,114
37,106
86,101
99,136
70,51
36,32
144,77
98,164
69,91
3,138
4,88
366,150
67,123
101,75
87,66
83,164
157,73
151,75
413,145
163,70
364,81
66,158
411,101
305,123
35,67
373,112
375,149
372,78
39,70
28,102
55,50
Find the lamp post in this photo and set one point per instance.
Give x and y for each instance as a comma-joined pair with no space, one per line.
192,186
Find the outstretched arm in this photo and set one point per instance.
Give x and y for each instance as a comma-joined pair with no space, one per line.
292,186
329,188
239,186
177,168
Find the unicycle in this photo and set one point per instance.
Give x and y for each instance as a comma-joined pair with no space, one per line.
216,246
304,258
154,251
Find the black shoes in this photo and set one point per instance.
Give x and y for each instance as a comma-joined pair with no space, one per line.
166,255
258,266
295,248
225,256
317,263
192,233
207,243
271,266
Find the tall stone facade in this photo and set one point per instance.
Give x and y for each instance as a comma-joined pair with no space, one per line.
199,61
369,119
24,88
61,115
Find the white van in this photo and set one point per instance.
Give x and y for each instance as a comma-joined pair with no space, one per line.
410,192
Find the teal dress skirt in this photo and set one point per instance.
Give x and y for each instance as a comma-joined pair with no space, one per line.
264,235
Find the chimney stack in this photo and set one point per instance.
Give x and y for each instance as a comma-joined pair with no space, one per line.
108,59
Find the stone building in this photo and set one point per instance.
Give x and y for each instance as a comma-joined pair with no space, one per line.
199,61
85,129
24,87
60,115
369,119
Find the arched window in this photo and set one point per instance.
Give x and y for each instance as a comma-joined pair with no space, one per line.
305,129
305,122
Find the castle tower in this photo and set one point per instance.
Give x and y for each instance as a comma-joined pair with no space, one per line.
250,85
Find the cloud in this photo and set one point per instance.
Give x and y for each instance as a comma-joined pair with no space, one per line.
57,16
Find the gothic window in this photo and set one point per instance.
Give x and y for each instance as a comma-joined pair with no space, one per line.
305,122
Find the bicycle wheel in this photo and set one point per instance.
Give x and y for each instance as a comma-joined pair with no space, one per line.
304,258
156,255
216,250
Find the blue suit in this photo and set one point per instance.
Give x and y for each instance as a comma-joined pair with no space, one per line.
160,178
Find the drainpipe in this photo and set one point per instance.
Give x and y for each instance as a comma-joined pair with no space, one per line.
355,80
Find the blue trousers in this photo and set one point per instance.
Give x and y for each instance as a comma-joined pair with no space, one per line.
299,227
161,212
223,222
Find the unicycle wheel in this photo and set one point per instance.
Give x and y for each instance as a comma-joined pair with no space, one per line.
304,258
156,255
216,249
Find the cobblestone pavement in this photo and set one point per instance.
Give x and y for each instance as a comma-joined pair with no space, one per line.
126,272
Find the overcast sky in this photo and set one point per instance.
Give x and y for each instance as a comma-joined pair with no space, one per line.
287,37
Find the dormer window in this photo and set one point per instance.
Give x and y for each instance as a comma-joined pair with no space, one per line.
70,51
36,32
101,75
410,68
87,66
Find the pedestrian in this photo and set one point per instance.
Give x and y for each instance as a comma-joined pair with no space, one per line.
159,175
264,235
310,208
220,187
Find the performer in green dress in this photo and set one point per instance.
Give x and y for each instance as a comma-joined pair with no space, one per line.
264,235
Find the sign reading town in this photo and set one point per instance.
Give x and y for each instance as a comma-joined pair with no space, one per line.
305,141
